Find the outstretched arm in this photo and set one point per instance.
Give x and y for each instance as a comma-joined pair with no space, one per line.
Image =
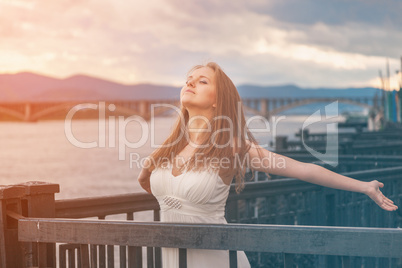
273,163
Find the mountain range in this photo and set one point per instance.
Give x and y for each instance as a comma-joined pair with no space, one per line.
27,86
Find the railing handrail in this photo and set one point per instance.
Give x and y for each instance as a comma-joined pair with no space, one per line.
105,205
354,157
341,241
135,202
290,185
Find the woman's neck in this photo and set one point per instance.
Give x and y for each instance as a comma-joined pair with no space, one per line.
199,126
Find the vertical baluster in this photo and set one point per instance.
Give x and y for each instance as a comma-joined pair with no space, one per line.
84,256
150,257
123,257
233,258
330,205
42,254
110,256
102,251
71,258
182,258
321,261
78,257
94,256
130,249
247,212
102,256
345,262
369,262
288,260
62,257
394,262
158,252
231,211
138,256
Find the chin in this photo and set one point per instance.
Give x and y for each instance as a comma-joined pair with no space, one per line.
186,101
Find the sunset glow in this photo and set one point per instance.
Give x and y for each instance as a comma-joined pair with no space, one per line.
157,41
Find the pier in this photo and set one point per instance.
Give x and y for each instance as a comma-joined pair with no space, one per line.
262,222
281,222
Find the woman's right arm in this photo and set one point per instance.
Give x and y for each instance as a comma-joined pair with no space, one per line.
144,177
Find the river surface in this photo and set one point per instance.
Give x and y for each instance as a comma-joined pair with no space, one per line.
90,158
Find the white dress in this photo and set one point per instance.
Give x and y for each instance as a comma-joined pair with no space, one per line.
193,197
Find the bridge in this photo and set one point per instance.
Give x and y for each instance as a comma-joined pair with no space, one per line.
274,106
267,107
34,111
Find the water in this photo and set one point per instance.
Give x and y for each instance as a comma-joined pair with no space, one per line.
42,152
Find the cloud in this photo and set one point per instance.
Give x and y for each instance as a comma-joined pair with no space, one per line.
263,42
340,12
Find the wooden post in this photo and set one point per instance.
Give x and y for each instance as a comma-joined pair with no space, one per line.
10,208
39,202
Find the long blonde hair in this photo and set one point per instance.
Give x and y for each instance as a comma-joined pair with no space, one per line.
227,107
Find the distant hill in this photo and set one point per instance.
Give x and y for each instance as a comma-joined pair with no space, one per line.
34,87
251,91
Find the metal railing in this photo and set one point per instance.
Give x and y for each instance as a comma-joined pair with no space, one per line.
282,202
287,240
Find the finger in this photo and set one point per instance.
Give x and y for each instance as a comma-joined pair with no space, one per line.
385,203
391,206
388,209
388,201
384,197
387,206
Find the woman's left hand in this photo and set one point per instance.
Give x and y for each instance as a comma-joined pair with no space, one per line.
373,191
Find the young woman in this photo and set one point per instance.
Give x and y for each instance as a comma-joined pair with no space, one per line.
191,173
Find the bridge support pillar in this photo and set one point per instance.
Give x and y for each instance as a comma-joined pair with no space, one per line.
27,116
263,106
264,109
145,110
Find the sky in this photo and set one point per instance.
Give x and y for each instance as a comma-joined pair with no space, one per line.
309,43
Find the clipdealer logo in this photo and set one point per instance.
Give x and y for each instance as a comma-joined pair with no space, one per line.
331,148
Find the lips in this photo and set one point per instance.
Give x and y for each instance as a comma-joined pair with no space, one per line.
188,90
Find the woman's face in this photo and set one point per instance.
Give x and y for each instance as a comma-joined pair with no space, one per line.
199,92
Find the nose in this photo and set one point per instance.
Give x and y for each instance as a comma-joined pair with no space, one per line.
190,83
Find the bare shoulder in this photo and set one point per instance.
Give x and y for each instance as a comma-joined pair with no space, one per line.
147,162
144,176
145,169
